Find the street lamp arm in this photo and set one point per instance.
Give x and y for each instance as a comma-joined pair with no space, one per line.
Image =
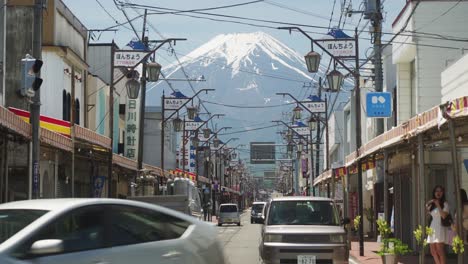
301,136
299,103
211,117
321,47
228,142
188,101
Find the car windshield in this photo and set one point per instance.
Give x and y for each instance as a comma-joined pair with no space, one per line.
228,209
12,221
302,213
257,208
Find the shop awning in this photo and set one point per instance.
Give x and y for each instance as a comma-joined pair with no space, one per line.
153,169
414,126
92,137
124,162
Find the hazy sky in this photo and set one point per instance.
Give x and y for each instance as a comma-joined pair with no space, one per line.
198,31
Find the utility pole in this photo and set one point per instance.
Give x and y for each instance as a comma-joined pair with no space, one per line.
35,107
141,124
377,25
318,138
111,123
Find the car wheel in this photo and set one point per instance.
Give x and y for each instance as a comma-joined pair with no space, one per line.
238,224
251,221
219,224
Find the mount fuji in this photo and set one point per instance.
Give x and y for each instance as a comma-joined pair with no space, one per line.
246,69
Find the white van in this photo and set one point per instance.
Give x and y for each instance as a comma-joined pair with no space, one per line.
228,214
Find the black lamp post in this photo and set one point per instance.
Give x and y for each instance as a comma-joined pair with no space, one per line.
206,132
133,88
312,123
177,123
297,113
192,112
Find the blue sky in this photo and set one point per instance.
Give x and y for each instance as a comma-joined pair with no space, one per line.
199,31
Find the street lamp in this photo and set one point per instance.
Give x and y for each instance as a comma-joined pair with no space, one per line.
312,123
154,70
297,113
192,112
300,146
335,79
290,148
195,141
289,136
132,85
312,60
206,132
177,123
216,142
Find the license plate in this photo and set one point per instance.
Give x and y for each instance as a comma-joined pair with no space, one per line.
306,259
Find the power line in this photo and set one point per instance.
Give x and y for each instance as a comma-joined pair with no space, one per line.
189,11
249,130
247,106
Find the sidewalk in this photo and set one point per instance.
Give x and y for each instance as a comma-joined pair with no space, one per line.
371,257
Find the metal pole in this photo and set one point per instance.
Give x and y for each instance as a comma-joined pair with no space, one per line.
183,146
163,124
318,139
141,124
358,143
111,123
456,178
72,121
36,100
312,174
327,151
422,192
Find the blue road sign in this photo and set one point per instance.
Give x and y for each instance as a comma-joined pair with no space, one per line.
379,104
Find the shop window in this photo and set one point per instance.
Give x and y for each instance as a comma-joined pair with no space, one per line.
64,105
77,111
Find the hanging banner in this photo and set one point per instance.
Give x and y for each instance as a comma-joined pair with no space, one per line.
132,127
173,103
128,58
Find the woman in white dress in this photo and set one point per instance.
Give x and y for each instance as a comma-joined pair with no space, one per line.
438,208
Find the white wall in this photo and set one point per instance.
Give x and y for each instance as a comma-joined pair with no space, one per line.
55,80
454,80
431,55
66,35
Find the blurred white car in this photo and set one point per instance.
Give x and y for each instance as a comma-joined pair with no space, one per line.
103,231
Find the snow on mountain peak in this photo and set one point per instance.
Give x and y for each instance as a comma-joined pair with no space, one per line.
239,51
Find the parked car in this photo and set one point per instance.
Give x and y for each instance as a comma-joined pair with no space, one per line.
256,215
228,214
303,230
113,231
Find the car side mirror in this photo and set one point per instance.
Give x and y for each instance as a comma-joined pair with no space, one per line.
346,221
47,246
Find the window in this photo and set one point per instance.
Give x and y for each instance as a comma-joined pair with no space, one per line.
80,230
228,209
77,111
13,221
131,225
64,105
302,213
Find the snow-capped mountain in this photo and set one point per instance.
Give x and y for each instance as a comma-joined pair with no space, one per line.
246,69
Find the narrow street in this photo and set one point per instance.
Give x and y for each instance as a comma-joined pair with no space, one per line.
240,243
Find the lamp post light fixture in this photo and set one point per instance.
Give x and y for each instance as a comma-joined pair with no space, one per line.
335,79
300,146
290,148
206,132
133,88
192,112
312,123
154,70
216,142
312,60
177,123
297,113
195,141
234,155
289,136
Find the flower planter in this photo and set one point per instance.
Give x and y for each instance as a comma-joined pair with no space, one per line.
389,259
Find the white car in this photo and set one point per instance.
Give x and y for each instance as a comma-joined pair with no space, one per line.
110,231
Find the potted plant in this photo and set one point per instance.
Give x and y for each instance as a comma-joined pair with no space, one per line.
391,248
420,240
356,222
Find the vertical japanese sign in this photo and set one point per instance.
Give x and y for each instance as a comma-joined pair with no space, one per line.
193,157
132,114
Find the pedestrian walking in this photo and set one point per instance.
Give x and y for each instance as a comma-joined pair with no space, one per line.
438,208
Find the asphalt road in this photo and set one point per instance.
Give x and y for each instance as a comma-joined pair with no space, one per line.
241,242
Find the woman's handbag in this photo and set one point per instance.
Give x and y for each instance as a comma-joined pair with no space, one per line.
447,221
